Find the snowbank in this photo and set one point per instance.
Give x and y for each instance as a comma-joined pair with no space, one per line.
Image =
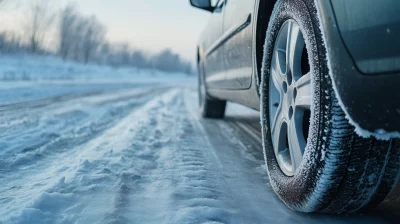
46,68
26,78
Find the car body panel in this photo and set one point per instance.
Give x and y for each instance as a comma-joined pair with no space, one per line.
371,102
370,30
214,70
238,26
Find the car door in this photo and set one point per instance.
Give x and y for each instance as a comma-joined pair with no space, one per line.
238,49
214,67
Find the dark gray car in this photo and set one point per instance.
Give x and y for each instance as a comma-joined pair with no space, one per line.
325,75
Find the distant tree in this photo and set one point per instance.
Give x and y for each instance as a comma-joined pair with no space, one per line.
67,29
3,41
125,54
166,60
77,39
104,53
93,37
82,39
38,21
139,60
169,61
11,43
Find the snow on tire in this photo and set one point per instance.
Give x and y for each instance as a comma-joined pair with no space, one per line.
340,171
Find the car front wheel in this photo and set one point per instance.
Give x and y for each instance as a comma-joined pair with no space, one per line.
315,160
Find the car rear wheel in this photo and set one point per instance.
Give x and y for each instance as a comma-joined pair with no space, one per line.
316,162
209,107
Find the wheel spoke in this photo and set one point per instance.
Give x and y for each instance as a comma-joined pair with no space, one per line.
297,143
276,74
294,49
289,97
304,92
276,128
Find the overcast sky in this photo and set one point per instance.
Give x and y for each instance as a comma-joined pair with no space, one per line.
151,25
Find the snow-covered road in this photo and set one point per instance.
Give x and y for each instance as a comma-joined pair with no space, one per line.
139,154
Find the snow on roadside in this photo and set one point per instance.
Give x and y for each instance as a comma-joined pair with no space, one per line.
48,68
84,180
26,78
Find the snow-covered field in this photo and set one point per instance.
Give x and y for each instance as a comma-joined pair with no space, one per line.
28,78
47,68
134,151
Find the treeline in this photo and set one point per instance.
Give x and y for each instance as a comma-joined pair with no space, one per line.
83,39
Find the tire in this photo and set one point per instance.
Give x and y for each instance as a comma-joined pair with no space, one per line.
209,107
339,171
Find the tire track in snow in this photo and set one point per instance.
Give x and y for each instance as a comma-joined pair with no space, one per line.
44,102
137,163
65,120
20,115
89,177
175,179
197,192
65,96
57,149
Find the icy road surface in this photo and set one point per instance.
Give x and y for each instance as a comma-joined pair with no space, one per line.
138,154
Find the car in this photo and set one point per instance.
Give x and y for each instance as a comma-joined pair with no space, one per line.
325,76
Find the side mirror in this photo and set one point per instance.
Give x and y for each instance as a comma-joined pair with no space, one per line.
202,4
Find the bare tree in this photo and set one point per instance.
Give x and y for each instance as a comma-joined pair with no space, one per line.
83,39
39,19
104,53
68,20
93,37
139,60
10,43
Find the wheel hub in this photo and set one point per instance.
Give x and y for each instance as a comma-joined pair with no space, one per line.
289,98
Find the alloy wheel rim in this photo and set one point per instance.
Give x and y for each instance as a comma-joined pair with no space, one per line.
290,97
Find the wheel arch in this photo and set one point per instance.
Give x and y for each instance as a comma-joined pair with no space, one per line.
198,54
263,12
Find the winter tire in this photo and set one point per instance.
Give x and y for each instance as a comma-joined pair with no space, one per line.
209,107
316,162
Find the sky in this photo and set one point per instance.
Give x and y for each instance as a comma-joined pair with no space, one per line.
150,25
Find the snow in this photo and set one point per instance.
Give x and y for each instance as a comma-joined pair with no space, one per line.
30,92
131,151
48,68
42,77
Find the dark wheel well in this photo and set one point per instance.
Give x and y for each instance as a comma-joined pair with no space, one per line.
198,55
264,13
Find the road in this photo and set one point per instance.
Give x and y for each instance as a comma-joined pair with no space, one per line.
140,154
